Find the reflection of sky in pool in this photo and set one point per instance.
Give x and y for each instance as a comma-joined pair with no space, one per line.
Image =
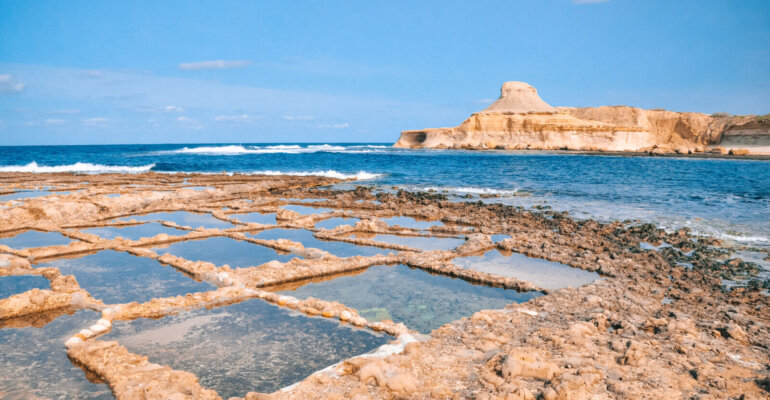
421,242
183,218
334,222
223,250
134,232
305,210
34,364
249,346
543,273
420,300
15,284
256,218
25,195
117,277
339,249
29,239
409,222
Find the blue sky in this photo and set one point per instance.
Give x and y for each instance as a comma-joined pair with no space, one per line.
98,72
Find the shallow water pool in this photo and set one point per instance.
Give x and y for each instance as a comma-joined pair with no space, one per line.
183,218
409,222
256,218
421,300
15,284
249,346
29,239
339,249
545,274
224,250
26,194
306,210
426,243
134,232
334,222
34,364
117,277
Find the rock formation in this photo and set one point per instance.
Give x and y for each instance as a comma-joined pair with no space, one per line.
520,119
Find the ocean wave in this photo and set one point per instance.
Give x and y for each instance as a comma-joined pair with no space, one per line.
466,190
77,167
361,175
744,239
235,150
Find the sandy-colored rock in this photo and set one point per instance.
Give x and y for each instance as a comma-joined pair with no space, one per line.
520,120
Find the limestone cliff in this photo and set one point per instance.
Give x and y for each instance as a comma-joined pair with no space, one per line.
520,119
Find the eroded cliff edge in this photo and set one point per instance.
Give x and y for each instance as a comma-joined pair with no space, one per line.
520,119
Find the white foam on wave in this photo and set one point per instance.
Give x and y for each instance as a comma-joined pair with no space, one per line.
235,150
79,167
361,175
467,190
744,239
211,150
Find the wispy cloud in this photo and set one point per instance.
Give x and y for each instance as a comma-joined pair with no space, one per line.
54,121
8,85
97,121
238,119
333,126
172,109
65,111
484,101
190,123
588,1
90,74
298,117
214,64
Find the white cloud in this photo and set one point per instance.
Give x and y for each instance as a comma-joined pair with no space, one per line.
484,101
54,121
588,1
214,64
8,85
298,117
333,126
240,119
172,109
98,121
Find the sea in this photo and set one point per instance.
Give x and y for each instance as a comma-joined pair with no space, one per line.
725,198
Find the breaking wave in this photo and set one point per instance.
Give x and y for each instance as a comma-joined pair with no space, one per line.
361,175
234,150
466,190
77,167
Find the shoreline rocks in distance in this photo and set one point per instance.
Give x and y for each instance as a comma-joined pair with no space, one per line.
521,120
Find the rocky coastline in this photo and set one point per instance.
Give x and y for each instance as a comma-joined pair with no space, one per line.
521,120
659,324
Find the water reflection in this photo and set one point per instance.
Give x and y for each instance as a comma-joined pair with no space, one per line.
117,277
15,284
545,274
339,249
420,300
250,346
183,218
30,239
224,250
34,364
134,232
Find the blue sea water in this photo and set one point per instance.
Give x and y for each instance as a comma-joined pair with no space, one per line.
726,198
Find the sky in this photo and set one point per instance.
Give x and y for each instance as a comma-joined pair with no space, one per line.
116,72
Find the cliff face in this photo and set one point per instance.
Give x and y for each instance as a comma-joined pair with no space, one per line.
519,119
